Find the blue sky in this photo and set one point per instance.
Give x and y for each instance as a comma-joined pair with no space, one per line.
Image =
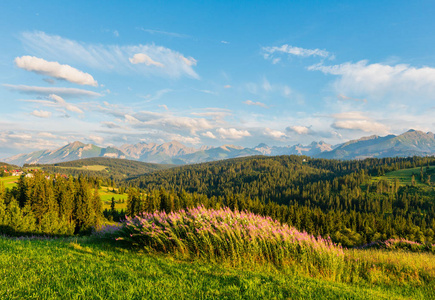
213,72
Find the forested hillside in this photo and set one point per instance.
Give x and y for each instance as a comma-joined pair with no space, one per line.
353,202
348,201
102,167
5,166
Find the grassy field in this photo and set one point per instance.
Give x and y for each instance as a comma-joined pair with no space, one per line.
85,268
87,168
405,175
9,181
106,195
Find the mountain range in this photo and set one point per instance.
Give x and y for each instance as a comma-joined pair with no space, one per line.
410,143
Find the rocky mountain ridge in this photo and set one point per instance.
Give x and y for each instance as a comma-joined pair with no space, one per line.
410,143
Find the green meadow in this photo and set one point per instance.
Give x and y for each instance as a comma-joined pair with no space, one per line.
96,168
106,194
405,176
87,268
9,181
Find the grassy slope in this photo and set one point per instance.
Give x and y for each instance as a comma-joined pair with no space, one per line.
88,168
106,195
9,181
405,175
87,269
105,167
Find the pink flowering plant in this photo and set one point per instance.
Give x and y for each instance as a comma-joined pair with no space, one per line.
233,236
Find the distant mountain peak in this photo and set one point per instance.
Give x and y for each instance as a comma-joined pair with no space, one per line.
412,142
262,145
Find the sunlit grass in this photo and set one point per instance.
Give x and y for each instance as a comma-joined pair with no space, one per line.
86,268
9,181
106,194
239,239
405,176
87,168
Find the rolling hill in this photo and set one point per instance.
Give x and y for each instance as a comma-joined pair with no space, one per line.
104,167
5,166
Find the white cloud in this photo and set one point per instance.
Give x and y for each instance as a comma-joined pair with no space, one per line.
227,86
62,103
249,102
265,89
276,134
64,92
55,70
217,114
379,80
159,94
20,136
110,58
209,134
363,125
97,139
232,133
299,129
110,125
41,114
15,142
131,119
185,139
171,122
189,61
354,115
164,106
142,58
297,51
47,135
345,98
56,101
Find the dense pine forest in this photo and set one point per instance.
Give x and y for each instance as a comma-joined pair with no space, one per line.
102,167
350,201
42,204
347,200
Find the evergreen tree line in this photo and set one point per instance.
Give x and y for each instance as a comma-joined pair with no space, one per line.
116,169
326,197
347,227
45,205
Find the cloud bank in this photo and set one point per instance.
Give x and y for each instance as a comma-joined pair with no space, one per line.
55,70
45,91
112,58
379,80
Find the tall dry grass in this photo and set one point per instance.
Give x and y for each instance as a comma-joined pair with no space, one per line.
247,240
